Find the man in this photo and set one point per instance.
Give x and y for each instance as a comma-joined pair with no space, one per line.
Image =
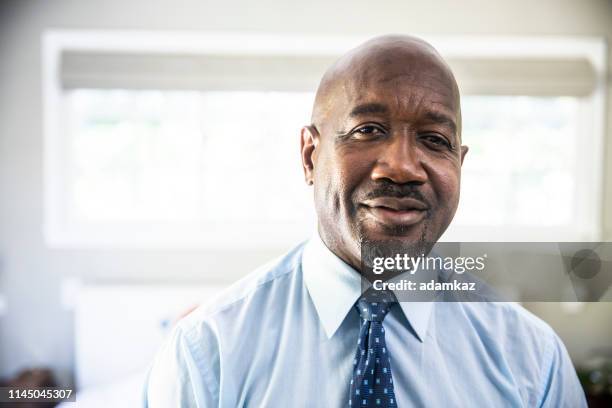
384,155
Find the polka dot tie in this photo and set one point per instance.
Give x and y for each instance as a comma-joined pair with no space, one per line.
372,383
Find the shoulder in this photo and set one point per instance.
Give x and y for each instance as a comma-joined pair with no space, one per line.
269,280
188,367
221,322
528,348
511,327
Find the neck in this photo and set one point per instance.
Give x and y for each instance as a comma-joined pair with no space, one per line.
341,248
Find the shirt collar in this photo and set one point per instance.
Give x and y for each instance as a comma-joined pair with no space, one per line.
335,286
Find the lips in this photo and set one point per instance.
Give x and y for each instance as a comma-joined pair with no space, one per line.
396,211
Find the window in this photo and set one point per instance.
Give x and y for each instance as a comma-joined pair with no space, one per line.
192,140
521,168
206,164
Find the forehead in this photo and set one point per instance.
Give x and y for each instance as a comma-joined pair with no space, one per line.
409,84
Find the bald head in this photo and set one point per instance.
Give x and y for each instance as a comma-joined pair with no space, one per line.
383,151
382,62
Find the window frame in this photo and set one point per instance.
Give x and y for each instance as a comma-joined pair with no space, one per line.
58,234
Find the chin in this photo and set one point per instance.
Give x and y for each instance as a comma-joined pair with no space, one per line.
392,239
394,232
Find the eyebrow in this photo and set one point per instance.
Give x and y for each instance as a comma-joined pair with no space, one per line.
442,119
368,108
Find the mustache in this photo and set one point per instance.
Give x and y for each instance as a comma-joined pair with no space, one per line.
390,189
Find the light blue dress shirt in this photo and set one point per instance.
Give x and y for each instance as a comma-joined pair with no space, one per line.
285,336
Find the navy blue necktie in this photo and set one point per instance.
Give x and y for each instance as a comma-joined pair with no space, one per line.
372,383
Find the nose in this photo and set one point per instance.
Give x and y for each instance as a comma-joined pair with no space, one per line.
400,162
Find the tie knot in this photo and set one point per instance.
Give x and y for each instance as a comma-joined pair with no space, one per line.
375,306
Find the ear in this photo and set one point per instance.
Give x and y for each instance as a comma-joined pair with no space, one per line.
464,150
309,141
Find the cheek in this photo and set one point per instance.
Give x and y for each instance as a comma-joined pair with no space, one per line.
354,169
327,182
445,181
338,172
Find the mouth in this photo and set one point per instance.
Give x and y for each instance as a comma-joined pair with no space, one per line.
396,211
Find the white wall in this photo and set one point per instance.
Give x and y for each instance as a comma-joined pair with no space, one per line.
37,330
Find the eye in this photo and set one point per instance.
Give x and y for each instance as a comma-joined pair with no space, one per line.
368,131
436,140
